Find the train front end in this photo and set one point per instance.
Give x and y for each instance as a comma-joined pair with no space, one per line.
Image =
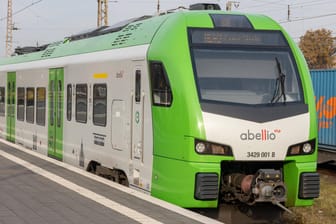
240,120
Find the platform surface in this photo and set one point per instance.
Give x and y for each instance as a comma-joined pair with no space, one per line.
39,190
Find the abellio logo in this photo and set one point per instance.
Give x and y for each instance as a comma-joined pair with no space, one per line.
263,135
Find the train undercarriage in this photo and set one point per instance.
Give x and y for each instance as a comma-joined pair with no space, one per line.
115,175
253,182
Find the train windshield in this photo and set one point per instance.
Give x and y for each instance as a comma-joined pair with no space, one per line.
245,74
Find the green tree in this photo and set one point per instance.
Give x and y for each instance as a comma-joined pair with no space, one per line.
319,48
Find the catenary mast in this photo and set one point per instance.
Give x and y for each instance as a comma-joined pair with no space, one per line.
9,33
102,19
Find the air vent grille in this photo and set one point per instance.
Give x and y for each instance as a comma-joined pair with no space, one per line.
132,27
48,52
309,185
126,34
206,186
121,39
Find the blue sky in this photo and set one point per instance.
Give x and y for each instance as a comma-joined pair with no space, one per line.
51,20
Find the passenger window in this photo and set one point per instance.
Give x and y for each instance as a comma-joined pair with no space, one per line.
20,103
161,91
2,101
30,105
99,104
40,105
81,103
69,102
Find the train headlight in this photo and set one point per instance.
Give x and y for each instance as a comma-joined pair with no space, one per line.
200,147
307,148
304,148
209,148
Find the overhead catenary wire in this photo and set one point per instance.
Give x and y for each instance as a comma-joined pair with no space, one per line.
281,4
310,3
264,3
310,17
23,9
289,7
277,9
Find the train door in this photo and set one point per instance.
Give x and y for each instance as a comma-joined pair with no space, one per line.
55,115
11,98
137,151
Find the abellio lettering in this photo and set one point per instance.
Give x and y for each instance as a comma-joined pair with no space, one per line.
263,135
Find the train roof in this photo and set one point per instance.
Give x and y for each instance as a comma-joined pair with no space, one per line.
133,32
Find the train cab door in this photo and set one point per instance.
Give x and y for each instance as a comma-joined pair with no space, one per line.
11,98
137,149
55,114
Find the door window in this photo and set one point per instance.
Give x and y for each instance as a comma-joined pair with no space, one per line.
40,105
137,86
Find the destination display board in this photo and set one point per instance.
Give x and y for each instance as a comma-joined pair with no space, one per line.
228,37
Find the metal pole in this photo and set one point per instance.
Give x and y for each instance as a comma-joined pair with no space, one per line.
230,3
102,18
106,13
9,33
99,15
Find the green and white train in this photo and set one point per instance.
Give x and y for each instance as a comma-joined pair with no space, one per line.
194,107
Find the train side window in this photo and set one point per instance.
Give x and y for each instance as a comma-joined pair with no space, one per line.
137,86
20,103
40,105
81,103
2,101
99,104
30,105
161,91
69,102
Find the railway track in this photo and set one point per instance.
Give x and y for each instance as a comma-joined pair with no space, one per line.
327,165
238,213
241,213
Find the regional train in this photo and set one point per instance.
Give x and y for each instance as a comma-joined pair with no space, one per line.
195,107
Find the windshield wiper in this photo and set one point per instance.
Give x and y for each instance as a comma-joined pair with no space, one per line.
279,90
